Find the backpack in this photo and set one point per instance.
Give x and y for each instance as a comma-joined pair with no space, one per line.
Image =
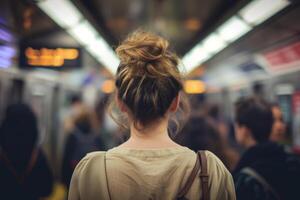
292,164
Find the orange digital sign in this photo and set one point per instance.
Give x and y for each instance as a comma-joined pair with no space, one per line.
49,57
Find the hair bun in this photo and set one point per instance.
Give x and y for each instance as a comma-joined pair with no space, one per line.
147,79
142,47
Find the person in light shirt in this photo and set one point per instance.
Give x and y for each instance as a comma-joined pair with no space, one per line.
149,165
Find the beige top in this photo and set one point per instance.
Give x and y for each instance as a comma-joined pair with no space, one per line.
146,174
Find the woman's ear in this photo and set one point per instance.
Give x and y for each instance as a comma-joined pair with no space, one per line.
175,104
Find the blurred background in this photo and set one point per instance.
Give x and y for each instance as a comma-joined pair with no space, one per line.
58,57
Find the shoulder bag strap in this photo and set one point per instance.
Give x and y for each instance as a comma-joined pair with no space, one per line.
106,177
251,172
204,175
201,162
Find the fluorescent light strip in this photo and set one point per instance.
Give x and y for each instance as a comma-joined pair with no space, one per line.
233,29
63,12
110,60
66,15
213,43
84,33
195,57
5,63
258,11
103,53
94,48
254,13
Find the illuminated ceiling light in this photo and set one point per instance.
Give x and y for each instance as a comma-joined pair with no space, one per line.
195,57
254,13
104,54
109,60
7,52
66,15
213,43
108,86
5,63
97,47
233,29
192,24
84,33
5,35
194,87
63,12
258,11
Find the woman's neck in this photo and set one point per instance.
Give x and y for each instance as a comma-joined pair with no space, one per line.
154,136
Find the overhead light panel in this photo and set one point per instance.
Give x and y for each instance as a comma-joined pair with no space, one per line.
97,47
108,86
233,29
251,15
84,33
213,43
195,57
258,11
66,15
63,12
104,54
110,61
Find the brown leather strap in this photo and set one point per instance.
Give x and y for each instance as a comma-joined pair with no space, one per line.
204,175
190,180
200,162
105,168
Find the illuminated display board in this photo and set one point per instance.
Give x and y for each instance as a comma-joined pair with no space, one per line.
46,57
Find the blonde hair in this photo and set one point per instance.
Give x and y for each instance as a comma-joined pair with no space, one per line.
147,79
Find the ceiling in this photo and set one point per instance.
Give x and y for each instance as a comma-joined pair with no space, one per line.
181,21
227,67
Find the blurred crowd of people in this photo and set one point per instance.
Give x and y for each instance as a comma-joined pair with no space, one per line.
249,146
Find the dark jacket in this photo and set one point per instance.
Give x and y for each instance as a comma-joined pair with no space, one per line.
36,184
280,170
78,144
24,171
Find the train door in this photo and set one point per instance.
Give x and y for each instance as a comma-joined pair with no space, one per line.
11,91
43,97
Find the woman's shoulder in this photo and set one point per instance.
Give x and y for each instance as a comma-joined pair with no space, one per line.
88,177
90,163
215,165
220,178
93,157
212,158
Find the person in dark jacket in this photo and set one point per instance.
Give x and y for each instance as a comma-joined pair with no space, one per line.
265,170
24,171
80,141
200,133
